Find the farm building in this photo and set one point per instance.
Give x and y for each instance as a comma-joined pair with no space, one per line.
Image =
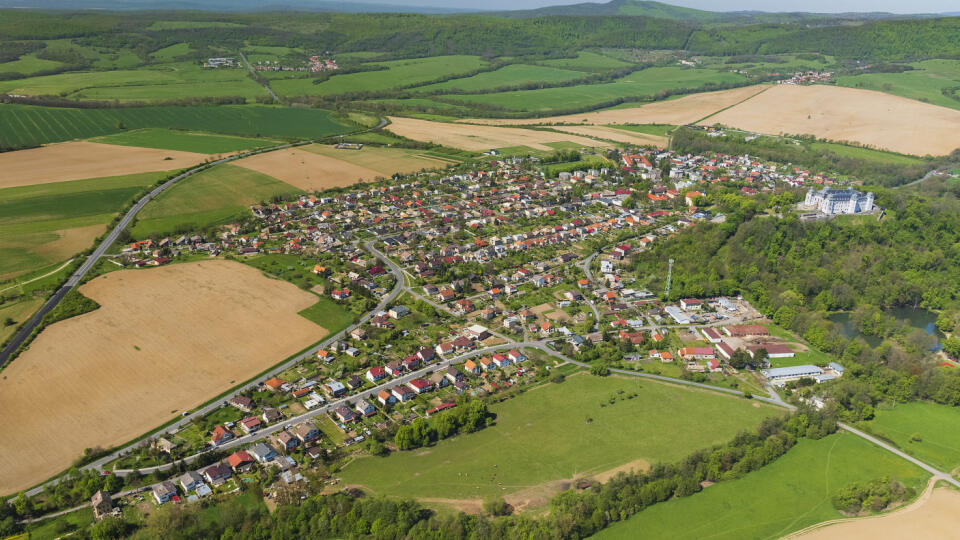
711,334
745,330
774,350
791,373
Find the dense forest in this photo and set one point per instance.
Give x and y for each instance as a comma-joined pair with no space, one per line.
407,35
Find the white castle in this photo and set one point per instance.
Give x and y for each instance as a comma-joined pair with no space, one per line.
839,201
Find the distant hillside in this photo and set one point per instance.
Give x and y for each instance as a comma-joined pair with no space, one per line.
647,8
230,6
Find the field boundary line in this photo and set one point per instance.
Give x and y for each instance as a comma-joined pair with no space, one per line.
744,100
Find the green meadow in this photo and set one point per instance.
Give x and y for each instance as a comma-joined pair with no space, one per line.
29,64
927,431
211,197
925,83
510,75
587,61
661,130
167,139
641,84
26,125
789,494
399,73
582,426
46,223
866,153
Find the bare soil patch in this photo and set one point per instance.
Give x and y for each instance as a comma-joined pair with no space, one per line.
164,339
308,170
467,506
685,110
536,496
479,138
633,466
935,515
558,315
80,160
848,114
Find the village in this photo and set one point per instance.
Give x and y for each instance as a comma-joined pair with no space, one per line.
468,284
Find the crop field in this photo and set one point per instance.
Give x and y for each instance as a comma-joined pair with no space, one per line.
18,312
936,426
162,81
211,197
645,84
510,75
80,160
309,170
482,138
618,135
660,130
399,73
679,111
846,114
933,516
46,223
787,495
168,139
587,61
383,160
550,435
925,83
163,341
24,125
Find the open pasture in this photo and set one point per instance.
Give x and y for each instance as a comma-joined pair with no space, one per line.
184,141
679,111
482,138
25,125
926,82
846,114
510,75
548,436
79,160
46,223
928,431
163,341
207,198
642,84
587,61
785,496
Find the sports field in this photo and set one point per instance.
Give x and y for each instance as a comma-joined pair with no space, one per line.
787,495
211,197
25,125
846,114
79,160
163,341
644,84
168,139
481,138
399,73
679,111
510,75
46,223
548,436
937,426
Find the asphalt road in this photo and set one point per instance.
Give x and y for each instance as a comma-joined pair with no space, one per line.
254,73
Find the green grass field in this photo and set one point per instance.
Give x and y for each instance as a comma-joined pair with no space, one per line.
789,494
203,143
33,219
208,198
661,130
25,125
47,529
866,153
937,425
544,435
510,75
643,84
398,73
329,315
167,54
28,64
189,25
923,83
588,62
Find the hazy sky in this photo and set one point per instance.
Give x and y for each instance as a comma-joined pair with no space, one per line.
821,6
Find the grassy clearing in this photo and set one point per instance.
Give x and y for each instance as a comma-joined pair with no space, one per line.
510,75
167,139
168,54
398,73
938,428
24,125
789,494
924,83
208,198
48,529
559,431
642,84
46,223
28,64
328,314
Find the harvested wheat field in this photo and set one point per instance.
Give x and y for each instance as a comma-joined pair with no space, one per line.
81,159
479,138
386,161
619,135
308,170
680,111
848,114
935,515
163,341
